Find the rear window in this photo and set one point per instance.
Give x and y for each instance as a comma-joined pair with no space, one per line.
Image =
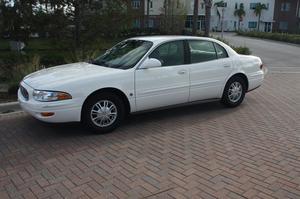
202,51
221,52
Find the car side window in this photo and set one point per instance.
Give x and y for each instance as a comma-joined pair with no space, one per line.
202,51
221,52
169,54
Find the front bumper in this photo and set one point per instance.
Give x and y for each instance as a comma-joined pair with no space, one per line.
64,111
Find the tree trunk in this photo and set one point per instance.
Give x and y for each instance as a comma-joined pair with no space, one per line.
195,17
77,22
258,23
148,14
208,4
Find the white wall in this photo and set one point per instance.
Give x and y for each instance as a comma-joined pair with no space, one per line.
229,18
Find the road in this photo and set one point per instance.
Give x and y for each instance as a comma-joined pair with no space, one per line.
274,54
200,151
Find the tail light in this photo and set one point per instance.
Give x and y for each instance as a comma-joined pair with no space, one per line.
261,67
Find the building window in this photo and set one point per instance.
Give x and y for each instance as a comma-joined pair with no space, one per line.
151,4
200,22
151,23
253,6
236,6
136,4
252,24
283,25
285,7
136,23
202,5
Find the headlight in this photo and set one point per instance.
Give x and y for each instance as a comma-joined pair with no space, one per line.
49,96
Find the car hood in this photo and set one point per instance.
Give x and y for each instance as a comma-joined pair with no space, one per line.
43,79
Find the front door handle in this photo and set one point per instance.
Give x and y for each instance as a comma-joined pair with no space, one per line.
226,66
181,72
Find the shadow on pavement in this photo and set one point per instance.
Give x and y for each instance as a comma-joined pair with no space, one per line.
165,120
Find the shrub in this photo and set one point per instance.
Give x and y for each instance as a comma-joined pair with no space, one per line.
286,37
16,73
52,59
239,49
242,50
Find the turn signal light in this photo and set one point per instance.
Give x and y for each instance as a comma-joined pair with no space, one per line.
63,96
47,114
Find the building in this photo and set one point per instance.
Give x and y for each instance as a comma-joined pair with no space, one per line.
287,16
230,21
249,22
138,9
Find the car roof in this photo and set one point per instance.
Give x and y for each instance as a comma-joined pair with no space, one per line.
160,38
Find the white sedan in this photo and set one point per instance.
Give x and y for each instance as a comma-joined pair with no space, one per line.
139,74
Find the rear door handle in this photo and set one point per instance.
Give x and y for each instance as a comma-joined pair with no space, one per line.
181,72
226,66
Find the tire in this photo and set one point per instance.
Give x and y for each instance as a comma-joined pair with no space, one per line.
234,92
103,112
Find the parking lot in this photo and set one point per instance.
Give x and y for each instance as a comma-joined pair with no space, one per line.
200,151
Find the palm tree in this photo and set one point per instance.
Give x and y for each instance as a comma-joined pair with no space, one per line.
220,4
208,5
258,10
240,13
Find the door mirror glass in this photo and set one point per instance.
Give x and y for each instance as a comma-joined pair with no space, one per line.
151,63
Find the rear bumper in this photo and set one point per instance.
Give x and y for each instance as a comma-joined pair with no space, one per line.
255,80
64,111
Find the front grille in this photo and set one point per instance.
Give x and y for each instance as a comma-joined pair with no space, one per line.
24,93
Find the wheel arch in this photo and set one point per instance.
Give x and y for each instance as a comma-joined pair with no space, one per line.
115,91
243,76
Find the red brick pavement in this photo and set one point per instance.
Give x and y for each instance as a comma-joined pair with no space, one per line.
202,151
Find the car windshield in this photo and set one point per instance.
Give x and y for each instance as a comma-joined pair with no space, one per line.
124,55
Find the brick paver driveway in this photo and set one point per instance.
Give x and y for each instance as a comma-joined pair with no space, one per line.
202,151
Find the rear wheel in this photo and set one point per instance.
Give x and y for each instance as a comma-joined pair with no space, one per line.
103,112
234,92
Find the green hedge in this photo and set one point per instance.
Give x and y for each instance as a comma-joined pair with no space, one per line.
286,37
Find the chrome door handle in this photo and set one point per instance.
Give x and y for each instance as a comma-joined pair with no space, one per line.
181,72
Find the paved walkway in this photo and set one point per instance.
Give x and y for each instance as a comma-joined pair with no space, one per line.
202,151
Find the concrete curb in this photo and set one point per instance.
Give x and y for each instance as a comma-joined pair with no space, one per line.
9,107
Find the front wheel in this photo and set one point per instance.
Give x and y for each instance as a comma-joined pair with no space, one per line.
234,92
103,112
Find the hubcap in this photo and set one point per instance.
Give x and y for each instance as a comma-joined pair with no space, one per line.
104,113
235,92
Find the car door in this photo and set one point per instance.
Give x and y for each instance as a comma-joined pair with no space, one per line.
210,66
165,85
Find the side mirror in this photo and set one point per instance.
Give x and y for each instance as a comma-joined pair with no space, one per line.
151,63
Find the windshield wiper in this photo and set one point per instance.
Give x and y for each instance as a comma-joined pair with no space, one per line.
99,63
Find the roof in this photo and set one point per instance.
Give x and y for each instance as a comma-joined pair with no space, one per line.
159,38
